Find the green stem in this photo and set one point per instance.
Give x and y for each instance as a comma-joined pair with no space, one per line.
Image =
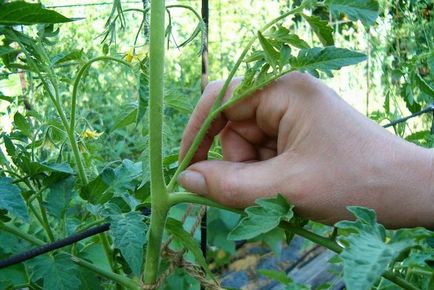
124,281
70,128
159,196
45,223
185,197
19,233
177,198
107,250
217,103
323,241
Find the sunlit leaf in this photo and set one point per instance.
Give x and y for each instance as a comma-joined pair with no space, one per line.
321,28
364,10
22,13
262,218
326,59
367,253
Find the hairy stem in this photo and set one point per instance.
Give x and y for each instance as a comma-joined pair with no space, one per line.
71,127
124,281
159,196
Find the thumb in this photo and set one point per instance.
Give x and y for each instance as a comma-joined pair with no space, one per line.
235,184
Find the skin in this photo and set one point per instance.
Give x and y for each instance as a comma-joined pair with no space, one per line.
299,138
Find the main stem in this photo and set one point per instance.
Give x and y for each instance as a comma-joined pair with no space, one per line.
159,196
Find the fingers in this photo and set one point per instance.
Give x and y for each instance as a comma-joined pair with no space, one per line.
235,184
244,110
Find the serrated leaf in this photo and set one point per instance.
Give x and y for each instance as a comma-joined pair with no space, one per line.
321,28
57,272
59,197
22,124
11,199
325,59
262,218
271,54
283,35
366,255
129,236
364,10
175,227
22,13
13,275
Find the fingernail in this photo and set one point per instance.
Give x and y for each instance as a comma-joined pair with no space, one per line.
193,181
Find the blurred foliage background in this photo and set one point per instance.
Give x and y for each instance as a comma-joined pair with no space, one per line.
396,80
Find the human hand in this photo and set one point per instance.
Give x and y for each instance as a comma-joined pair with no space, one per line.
299,138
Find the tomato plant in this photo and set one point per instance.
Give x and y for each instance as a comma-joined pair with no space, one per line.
118,220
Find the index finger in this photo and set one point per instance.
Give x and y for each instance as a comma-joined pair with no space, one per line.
243,110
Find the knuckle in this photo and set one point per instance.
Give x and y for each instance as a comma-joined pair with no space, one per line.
212,87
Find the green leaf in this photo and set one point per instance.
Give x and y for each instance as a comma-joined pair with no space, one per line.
57,272
54,167
262,218
22,124
129,236
364,10
22,13
326,59
281,277
75,54
13,275
321,28
11,199
366,255
175,227
96,191
143,96
10,147
283,35
59,197
4,50
285,56
271,55
126,119
424,86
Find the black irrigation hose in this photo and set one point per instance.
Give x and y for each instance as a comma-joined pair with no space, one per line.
146,211
54,246
429,108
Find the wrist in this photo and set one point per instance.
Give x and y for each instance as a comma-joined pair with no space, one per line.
405,185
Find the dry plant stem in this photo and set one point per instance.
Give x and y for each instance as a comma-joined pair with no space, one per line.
328,243
159,196
217,103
